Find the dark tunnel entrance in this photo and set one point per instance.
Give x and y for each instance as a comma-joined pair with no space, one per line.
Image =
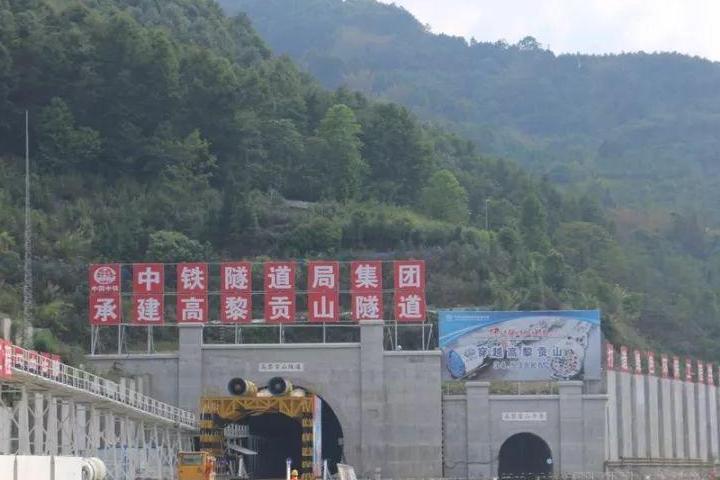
277,437
525,456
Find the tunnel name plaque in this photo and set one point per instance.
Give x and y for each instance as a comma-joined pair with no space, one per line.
281,367
524,416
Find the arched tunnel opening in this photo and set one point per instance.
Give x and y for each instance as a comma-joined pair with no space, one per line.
276,437
524,456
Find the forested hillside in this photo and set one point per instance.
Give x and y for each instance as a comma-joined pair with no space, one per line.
166,131
638,130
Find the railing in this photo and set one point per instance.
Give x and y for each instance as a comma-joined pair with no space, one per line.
49,368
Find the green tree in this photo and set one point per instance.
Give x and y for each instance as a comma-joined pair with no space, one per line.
533,224
63,145
344,167
444,198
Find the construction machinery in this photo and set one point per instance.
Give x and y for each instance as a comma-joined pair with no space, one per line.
196,466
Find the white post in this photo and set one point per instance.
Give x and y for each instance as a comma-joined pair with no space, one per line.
51,444
23,423
38,425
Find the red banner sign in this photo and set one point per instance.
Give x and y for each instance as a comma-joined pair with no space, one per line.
148,309
148,278
710,377
676,368
236,308
279,276
191,308
323,277
366,276
105,309
280,306
410,275
410,306
664,366
236,277
700,372
651,362
5,359
610,356
367,306
688,370
638,361
624,363
323,307
192,278
104,278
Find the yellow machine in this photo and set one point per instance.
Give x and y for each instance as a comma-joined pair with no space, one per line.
196,466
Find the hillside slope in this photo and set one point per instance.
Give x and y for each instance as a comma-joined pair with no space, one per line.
639,130
166,131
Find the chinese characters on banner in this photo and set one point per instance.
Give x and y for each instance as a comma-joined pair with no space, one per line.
104,285
366,290
236,292
279,278
147,303
148,300
410,291
323,292
5,359
192,288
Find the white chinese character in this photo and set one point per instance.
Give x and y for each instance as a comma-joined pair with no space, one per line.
280,308
148,277
367,307
236,278
105,309
324,277
366,276
279,277
192,309
148,310
236,308
409,276
192,278
410,306
325,308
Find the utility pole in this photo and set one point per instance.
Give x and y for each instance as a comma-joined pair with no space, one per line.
487,222
27,284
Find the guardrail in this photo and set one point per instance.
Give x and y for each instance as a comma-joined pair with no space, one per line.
49,368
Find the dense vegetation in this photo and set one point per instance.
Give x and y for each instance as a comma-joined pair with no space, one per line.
167,131
638,129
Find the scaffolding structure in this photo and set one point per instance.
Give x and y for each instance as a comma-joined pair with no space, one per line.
55,409
216,412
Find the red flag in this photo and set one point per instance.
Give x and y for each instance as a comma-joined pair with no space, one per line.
323,307
192,278
148,309
192,308
410,275
279,276
664,366
676,368
624,363
280,306
688,370
710,377
236,277
410,305
148,278
236,308
367,306
5,359
366,276
700,372
104,278
105,309
651,362
323,276
638,361
610,356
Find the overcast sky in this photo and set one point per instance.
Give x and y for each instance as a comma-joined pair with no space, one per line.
586,26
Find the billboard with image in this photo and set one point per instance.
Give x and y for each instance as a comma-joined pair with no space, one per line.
520,346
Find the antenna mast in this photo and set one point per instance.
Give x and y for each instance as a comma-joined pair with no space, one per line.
27,284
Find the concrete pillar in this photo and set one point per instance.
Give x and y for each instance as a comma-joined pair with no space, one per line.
638,416
626,423
653,417
479,459
702,418
712,404
51,443
679,417
691,419
666,413
6,419
80,433
372,397
38,424
67,426
190,365
571,427
612,416
23,422
94,431
108,431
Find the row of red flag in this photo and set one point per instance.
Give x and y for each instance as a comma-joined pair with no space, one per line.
703,372
236,292
42,363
